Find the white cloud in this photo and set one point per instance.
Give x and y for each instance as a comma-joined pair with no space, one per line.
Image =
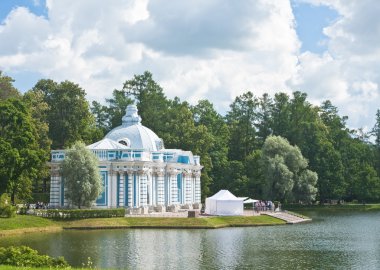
347,72
200,49
203,49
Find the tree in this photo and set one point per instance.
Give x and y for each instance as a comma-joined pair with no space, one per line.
69,115
81,175
116,110
7,90
150,98
264,115
376,133
20,156
205,114
285,170
34,99
241,120
181,132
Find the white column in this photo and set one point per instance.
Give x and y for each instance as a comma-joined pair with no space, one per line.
121,188
198,187
173,188
130,187
112,188
188,188
54,190
160,188
143,188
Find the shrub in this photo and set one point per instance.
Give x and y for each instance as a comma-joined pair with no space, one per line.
81,213
6,209
26,257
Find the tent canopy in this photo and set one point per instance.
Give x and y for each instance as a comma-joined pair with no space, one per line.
224,203
250,201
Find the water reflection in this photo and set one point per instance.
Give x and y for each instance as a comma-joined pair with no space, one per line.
334,240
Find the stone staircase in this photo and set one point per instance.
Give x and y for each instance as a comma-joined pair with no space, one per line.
289,218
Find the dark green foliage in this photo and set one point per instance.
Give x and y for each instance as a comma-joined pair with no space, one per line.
151,101
23,256
7,90
69,117
241,121
59,214
20,156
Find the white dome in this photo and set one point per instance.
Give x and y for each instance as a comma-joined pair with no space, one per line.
139,137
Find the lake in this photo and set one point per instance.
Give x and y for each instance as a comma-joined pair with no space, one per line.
334,240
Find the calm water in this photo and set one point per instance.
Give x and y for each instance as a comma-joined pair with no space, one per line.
334,240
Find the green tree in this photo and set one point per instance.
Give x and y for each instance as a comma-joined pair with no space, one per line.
376,133
20,155
81,175
205,114
7,90
241,120
150,98
181,132
264,114
285,170
116,108
39,109
69,115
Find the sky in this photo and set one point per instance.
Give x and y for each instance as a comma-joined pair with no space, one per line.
215,49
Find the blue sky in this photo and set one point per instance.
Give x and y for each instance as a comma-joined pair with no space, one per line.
215,49
38,7
311,20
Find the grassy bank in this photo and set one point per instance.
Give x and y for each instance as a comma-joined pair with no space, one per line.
156,222
361,207
26,224
6,267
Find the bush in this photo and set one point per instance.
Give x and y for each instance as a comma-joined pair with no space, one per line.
26,257
6,209
81,213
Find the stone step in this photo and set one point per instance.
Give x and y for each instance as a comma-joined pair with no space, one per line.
287,217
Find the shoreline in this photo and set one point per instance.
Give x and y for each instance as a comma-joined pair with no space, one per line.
145,223
328,207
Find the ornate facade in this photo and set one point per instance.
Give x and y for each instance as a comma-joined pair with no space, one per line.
136,169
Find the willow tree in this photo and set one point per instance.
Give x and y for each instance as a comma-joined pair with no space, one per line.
81,176
285,171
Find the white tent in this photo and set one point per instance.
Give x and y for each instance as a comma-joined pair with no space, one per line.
224,203
250,201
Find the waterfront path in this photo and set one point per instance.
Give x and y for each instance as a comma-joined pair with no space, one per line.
289,218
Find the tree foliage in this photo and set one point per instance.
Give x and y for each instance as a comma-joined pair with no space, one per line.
285,170
69,117
7,90
20,156
81,175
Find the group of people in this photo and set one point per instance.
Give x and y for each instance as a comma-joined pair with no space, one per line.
265,206
37,205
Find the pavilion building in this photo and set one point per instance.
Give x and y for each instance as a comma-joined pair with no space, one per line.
136,170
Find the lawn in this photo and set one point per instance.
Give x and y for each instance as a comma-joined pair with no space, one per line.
26,223
6,267
164,222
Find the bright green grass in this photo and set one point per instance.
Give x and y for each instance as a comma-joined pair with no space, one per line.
6,267
143,222
24,221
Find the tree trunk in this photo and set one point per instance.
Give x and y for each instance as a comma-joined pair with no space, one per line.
13,194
